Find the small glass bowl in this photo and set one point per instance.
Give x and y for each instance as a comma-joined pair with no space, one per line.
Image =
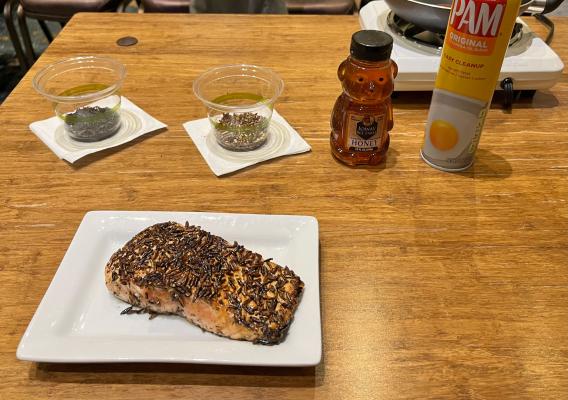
239,100
85,94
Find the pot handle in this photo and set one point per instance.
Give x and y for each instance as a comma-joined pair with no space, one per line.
551,5
543,6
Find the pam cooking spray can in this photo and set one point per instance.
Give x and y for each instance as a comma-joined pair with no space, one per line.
476,40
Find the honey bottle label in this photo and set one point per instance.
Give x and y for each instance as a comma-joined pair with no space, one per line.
364,132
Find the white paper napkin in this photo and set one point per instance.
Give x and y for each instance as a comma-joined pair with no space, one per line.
283,140
135,122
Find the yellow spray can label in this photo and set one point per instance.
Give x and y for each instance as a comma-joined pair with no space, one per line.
476,40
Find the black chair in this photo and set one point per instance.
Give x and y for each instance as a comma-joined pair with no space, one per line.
8,9
165,6
320,7
54,10
293,6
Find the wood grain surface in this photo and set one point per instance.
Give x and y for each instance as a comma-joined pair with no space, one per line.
434,285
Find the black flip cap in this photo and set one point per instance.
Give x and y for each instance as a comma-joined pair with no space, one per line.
371,45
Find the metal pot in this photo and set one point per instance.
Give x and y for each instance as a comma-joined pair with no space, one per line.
433,15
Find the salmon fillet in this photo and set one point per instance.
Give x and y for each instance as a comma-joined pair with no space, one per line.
223,288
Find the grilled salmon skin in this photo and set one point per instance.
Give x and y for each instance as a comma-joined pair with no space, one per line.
221,287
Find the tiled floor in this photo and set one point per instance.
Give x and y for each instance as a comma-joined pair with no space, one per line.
10,72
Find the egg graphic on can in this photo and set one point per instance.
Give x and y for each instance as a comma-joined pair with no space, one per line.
448,130
443,135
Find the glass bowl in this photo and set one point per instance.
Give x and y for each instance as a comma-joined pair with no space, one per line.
85,95
239,100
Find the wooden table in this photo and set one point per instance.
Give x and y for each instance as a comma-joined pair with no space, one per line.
434,285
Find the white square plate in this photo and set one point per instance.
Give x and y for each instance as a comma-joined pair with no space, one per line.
78,319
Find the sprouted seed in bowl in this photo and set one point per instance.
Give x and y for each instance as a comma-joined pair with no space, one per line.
92,123
241,131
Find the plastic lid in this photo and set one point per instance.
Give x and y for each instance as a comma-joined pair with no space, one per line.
371,45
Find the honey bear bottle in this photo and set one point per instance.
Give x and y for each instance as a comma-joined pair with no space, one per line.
362,116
